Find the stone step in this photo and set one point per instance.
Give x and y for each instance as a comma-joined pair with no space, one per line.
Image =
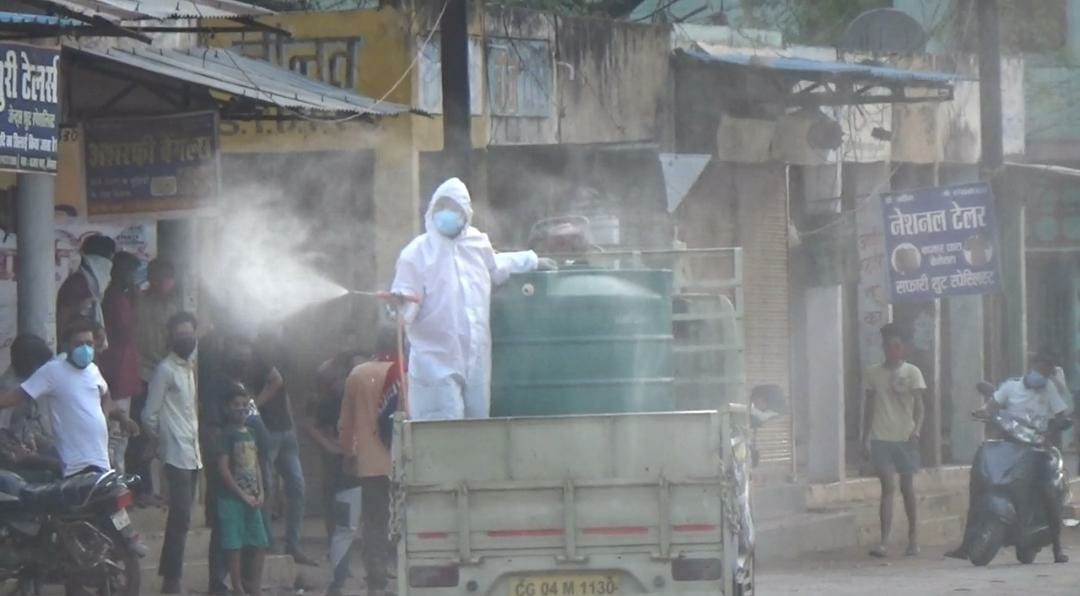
854,490
777,500
929,506
792,535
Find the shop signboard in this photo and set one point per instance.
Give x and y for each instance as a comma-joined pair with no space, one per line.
151,165
28,107
940,242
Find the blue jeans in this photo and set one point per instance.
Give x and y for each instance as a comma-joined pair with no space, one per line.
284,456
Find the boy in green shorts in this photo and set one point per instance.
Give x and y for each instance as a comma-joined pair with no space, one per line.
240,503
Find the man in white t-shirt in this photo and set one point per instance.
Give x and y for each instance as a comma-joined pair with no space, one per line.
78,402
1035,399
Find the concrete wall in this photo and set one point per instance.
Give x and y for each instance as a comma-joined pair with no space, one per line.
366,52
618,86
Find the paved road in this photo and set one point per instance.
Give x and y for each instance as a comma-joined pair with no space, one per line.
853,573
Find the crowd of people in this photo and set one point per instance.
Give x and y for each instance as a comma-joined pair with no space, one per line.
137,379
127,389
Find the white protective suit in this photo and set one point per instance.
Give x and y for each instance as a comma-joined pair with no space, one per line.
449,333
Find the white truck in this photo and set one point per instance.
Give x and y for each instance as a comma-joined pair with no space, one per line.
640,503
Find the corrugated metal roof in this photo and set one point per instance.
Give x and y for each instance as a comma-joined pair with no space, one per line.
820,68
244,77
21,18
138,10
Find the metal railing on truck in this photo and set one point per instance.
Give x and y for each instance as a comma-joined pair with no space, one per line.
707,315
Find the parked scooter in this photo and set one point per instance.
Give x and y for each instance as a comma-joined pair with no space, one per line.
1005,482
74,532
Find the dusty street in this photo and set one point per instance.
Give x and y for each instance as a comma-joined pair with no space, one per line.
853,573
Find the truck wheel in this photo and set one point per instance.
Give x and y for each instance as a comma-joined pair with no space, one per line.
987,542
1026,555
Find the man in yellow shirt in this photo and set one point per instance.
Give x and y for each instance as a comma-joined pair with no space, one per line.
892,419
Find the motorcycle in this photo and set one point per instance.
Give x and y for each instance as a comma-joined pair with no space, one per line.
1007,508
74,532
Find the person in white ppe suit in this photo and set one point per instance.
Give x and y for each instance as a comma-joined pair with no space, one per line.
445,277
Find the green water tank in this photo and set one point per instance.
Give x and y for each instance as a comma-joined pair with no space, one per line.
582,341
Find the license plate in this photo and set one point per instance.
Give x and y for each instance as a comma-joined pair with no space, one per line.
565,585
121,520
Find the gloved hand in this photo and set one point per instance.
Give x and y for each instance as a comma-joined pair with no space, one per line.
546,264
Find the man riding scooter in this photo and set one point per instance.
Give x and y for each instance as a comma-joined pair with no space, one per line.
1034,400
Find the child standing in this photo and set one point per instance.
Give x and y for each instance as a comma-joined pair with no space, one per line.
240,503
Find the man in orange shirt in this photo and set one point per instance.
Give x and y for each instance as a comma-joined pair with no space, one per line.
372,390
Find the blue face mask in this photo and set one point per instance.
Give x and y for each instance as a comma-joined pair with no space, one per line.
81,356
449,223
1035,380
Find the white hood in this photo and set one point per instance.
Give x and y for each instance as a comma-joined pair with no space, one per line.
455,190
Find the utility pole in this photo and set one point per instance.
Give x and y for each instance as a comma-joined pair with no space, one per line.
1012,347
35,264
990,86
454,56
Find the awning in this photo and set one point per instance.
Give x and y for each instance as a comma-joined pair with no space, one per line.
243,78
138,10
822,83
129,18
1038,168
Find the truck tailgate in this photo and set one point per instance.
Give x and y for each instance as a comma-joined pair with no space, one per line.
568,487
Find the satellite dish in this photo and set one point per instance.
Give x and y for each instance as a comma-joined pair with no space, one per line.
884,30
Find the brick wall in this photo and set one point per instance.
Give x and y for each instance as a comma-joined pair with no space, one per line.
746,205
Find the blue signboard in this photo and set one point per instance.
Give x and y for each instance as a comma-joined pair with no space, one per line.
28,107
940,242
151,165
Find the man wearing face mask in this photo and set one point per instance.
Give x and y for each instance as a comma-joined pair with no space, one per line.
444,279
171,418
78,402
1035,399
